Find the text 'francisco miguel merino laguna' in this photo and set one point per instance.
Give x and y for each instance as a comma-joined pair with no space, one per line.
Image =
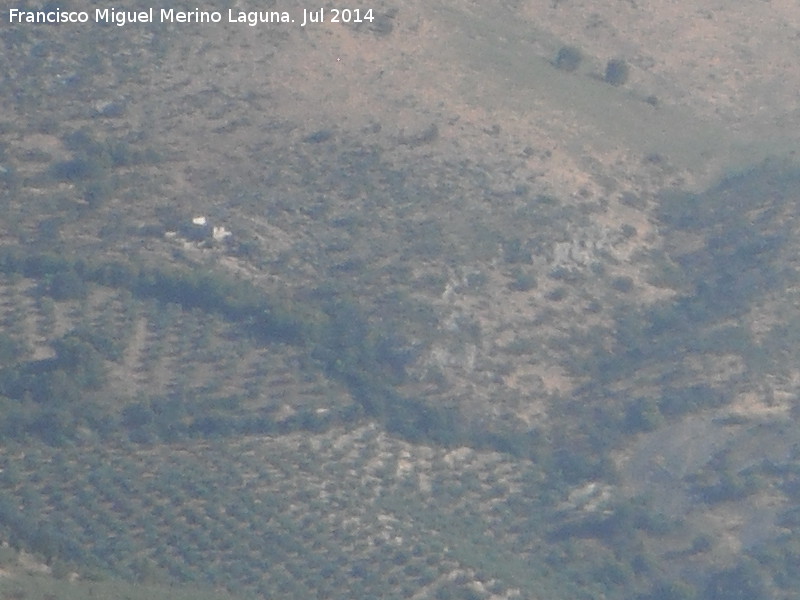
170,15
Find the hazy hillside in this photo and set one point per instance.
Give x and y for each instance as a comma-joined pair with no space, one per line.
462,301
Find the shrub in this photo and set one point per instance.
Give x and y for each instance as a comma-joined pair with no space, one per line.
10,349
97,192
617,72
515,252
8,175
643,415
568,58
557,295
671,591
622,284
702,543
78,169
522,281
744,581
323,135
66,285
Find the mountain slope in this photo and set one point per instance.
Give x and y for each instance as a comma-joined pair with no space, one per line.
489,327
